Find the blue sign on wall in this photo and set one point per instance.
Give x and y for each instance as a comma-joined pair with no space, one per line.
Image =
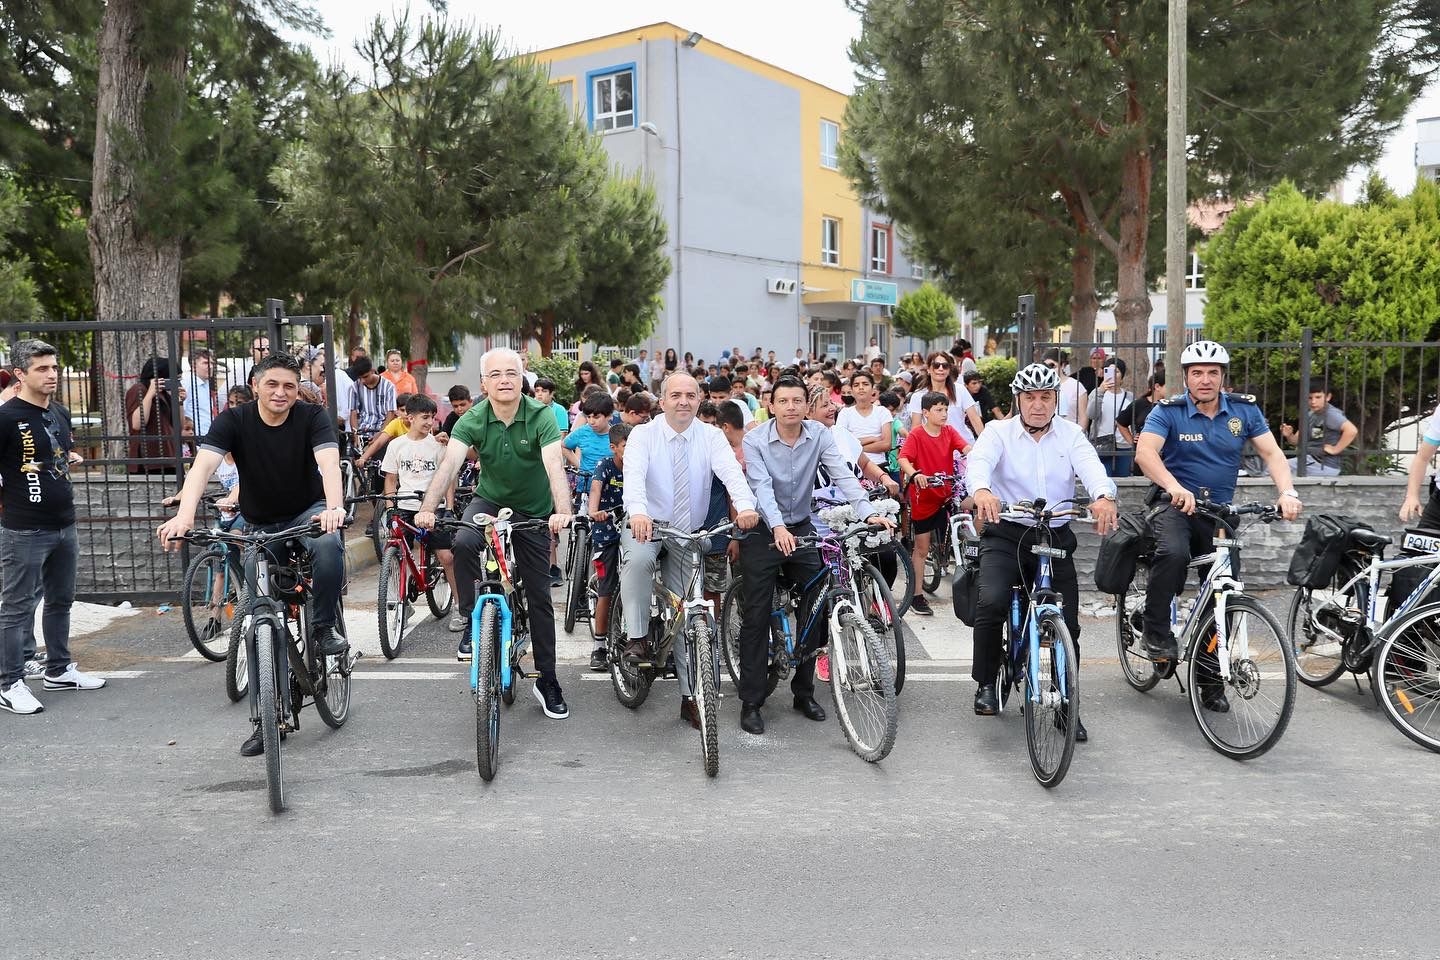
879,292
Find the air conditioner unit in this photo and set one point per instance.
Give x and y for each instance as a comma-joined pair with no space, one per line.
780,285
887,311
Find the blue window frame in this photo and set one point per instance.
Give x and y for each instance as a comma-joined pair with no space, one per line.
611,98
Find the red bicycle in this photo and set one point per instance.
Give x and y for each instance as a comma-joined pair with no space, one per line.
408,568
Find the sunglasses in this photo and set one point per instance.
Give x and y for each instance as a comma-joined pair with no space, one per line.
939,366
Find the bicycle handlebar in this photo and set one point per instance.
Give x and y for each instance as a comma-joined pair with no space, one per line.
1036,510
1266,512
310,528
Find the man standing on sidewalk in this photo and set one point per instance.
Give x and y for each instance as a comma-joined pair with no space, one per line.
38,546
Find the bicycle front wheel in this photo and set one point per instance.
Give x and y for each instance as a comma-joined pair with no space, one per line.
437,587
392,607
863,685
1135,660
267,687
904,587
487,694
575,578
1052,704
884,619
936,560
730,617
1319,657
208,604
237,666
707,693
1406,676
1246,715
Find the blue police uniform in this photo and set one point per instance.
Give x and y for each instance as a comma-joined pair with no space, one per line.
1201,452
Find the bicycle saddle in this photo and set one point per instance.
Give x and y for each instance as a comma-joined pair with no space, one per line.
1368,539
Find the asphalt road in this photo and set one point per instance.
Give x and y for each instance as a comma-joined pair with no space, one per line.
137,830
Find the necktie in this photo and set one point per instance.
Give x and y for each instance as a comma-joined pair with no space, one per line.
680,466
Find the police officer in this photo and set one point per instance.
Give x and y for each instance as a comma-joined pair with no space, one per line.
1033,454
1193,441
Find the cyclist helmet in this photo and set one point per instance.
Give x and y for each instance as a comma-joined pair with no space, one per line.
1036,376
1204,351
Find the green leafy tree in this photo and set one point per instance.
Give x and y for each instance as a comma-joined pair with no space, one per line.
18,302
926,314
1367,273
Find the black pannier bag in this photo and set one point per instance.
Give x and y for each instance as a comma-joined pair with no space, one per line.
1321,549
1404,581
1120,553
965,585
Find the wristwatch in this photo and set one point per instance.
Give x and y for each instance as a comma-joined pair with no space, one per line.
1291,493
1108,496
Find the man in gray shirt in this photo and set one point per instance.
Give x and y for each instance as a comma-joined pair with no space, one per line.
781,459
1330,433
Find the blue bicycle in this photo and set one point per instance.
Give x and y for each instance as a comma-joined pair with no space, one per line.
1040,655
499,629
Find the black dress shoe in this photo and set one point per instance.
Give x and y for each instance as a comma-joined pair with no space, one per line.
986,703
1081,734
331,643
1214,700
254,745
689,712
750,719
811,709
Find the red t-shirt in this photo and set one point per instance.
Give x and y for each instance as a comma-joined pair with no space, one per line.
929,454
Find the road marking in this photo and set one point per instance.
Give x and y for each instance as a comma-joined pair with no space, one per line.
121,674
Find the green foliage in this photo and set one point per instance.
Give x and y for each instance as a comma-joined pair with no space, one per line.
926,314
561,369
998,372
17,291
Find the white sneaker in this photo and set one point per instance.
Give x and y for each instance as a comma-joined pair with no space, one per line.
73,679
17,698
34,669
457,623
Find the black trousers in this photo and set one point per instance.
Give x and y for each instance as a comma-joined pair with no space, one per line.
761,565
1005,560
1178,538
532,562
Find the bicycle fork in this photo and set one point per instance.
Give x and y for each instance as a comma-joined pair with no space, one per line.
505,627
1038,691
840,666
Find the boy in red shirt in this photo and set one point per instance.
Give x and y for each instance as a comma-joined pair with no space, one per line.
928,450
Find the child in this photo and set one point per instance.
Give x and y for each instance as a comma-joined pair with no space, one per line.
545,393
607,492
930,449
393,430
410,462
459,397
588,443
899,430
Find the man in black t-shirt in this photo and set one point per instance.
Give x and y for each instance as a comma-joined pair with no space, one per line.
38,546
289,465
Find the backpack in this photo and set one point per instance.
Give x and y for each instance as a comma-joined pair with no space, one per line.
1120,553
1321,549
965,585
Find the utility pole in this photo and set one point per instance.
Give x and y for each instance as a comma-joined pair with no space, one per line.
1176,253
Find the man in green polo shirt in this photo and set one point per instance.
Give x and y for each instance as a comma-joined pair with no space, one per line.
516,440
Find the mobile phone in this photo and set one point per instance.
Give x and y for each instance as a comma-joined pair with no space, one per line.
1110,374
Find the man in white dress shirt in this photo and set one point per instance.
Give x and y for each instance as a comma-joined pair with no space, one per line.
670,464
1033,455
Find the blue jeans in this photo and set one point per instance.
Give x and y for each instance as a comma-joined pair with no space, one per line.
327,565
36,563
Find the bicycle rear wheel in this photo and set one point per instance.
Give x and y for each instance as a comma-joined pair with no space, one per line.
631,681
437,588
707,693
575,578
863,685
237,667
1135,660
208,604
1319,657
936,560
884,619
730,639
1406,676
487,694
1246,715
1052,704
267,688
904,587
392,607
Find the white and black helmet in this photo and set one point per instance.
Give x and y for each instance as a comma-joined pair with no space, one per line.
1204,351
1036,376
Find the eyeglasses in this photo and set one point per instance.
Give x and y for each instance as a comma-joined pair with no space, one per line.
1051,364
939,366
260,347
494,376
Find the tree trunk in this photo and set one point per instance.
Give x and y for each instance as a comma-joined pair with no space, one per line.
545,332
352,326
1132,309
137,274
1084,302
419,329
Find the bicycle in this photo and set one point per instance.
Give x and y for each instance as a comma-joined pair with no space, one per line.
212,589
937,560
1040,655
1345,630
904,587
862,676
578,600
277,618
405,573
862,556
499,629
687,618
1244,654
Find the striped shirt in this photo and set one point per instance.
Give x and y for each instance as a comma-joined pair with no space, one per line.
372,403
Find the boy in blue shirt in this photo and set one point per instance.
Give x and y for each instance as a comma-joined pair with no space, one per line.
587,444
607,493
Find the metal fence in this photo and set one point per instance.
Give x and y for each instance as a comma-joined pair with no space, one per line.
128,470
1388,390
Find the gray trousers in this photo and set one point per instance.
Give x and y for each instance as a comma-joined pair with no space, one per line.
637,573
36,563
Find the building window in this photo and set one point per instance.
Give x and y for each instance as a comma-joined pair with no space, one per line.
1195,275
612,100
879,249
830,241
917,271
829,145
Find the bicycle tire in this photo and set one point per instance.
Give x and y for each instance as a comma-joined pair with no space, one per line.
237,668
936,559
574,579
1135,662
332,688
880,611
1250,677
392,608
1403,675
377,532
1050,724
707,693
212,638
904,586
487,695
438,594
730,639
1319,660
267,683
630,681
863,687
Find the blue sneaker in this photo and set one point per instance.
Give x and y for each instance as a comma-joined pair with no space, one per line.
463,652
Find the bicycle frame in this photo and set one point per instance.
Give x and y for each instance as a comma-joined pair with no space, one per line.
837,594
412,562
1043,600
1374,624
693,603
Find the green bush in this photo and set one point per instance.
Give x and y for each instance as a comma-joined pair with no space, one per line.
562,370
998,372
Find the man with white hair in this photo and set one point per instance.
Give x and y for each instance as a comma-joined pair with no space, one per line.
516,439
